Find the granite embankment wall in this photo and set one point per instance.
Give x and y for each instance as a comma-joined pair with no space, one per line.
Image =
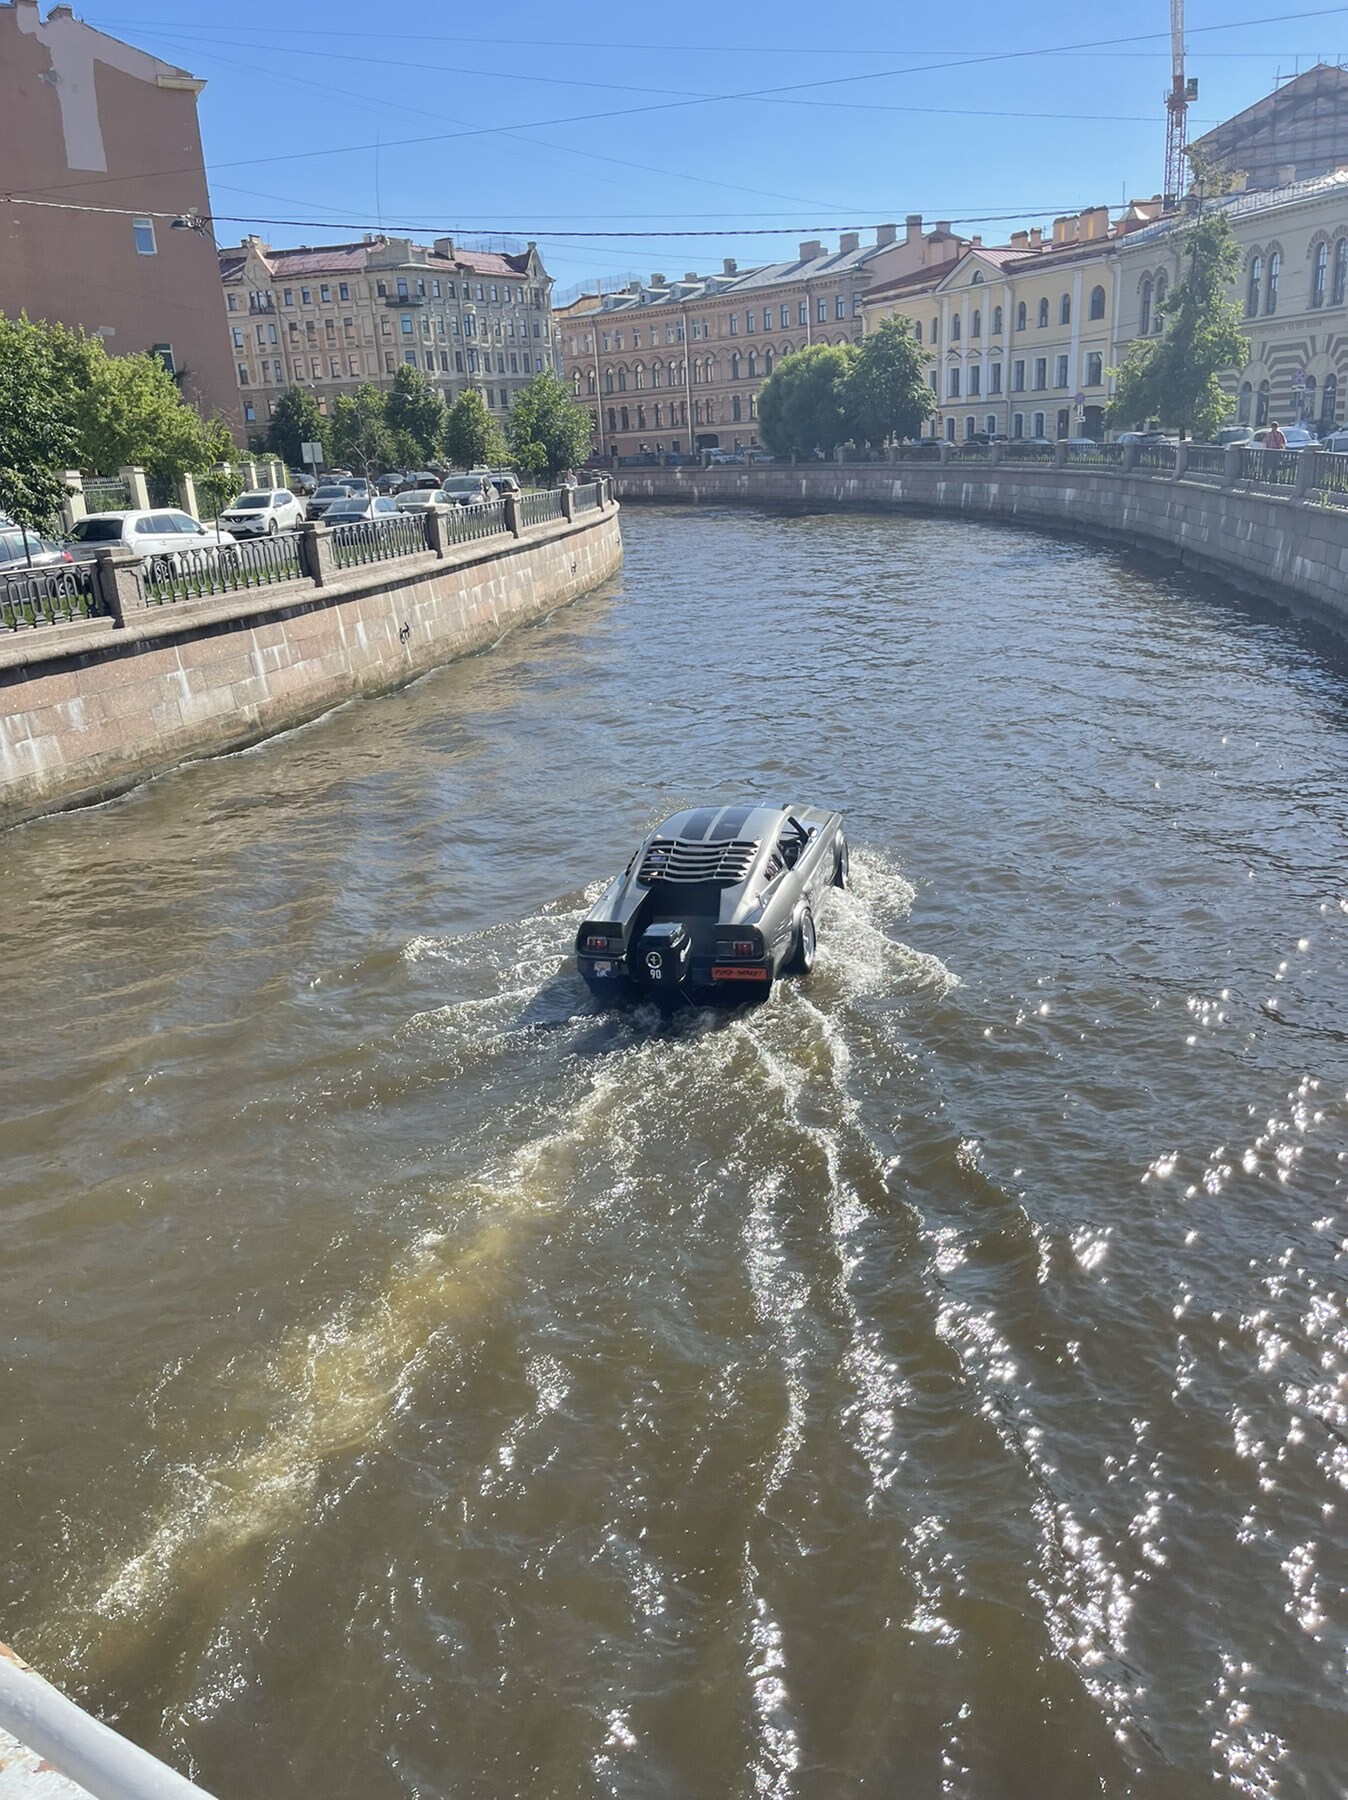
1286,546
89,708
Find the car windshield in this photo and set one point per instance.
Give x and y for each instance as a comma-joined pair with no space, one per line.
331,493
97,531
251,503
464,485
355,508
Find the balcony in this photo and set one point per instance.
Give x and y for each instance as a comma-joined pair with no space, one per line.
404,299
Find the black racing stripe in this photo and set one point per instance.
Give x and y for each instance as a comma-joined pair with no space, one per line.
698,824
730,823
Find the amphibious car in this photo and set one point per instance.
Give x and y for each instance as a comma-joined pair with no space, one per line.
716,903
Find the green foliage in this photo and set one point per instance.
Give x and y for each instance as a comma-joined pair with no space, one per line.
472,439
358,436
803,405
295,421
37,440
415,414
216,490
548,431
1178,380
888,394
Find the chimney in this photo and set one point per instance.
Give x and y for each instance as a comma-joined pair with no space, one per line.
1060,229
659,281
1036,237
975,243
634,287
444,247
808,252
848,242
943,228
730,266
885,234
1020,240
1095,222
912,228
690,275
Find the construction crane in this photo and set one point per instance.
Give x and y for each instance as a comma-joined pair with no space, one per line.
1177,101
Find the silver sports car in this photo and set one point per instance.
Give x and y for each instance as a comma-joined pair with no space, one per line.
716,903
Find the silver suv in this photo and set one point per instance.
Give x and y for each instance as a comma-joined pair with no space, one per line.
165,532
264,513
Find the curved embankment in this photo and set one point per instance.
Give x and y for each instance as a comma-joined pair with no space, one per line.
1286,546
88,709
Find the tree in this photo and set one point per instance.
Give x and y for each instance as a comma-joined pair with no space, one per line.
802,406
295,421
888,394
37,440
128,409
358,432
415,414
548,431
472,439
1178,380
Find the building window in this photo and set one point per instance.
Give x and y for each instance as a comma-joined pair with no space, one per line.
1319,274
1043,314
1020,316
1274,270
734,324
1037,425
1144,316
402,287
975,381
995,378
1018,376
1340,282
242,370
165,354
343,290
767,362
1158,316
803,313
996,321
840,307
622,413
1040,375
238,337
1253,288
305,296
405,320
956,325
230,303
969,424
1065,310
976,324
953,378
917,331
1097,307
753,365
786,318
1018,425
821,312
1060,373
1095,368
1329,400
1245,403
612,420
735,408
750,317
249,413
142,230
950,431
325,292
1261,408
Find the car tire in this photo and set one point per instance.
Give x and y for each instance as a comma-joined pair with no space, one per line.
272,528
842,869
802,957
160,568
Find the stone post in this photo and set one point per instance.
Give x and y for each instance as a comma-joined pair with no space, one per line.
187,493
995,452
73,507
840,453
1129,462
117,581
1231,472
316,553
1181,459
512,514
1307,469
943,451
437,538
568,504
1060,453
137,494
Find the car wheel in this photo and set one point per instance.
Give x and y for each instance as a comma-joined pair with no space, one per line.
802,957
273,527
842,871
161,568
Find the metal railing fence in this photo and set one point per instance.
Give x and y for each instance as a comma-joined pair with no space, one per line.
48,596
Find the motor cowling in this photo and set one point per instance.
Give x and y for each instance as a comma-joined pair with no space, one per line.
664,952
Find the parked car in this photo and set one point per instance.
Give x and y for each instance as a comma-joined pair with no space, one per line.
358,507
716,457
330,494
301,484
264,513
505,483
468,490
1233,434
1298,437
421,500
163,533
20,550
390,482
418,478
1336,440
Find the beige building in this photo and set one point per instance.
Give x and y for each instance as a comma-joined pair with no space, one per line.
87,239
1020,334
1292,290
676,366
337,316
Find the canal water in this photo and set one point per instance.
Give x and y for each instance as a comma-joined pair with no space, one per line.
417,1383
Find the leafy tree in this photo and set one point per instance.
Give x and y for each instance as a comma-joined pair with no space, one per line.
37,440
358,432
295,421
472,438
888,394
548,431
128,409
803,405
1178,380
415,414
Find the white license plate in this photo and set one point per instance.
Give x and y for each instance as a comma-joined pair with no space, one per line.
603,968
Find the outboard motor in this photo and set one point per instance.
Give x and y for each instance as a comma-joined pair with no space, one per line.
663,954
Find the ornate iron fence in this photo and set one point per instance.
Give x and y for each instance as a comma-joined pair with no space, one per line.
1269,468
1031,453
1157,457
585,498
1206,459
927,452
971,453
465,524
540,508
223,569
48,596
1094,456
1330,477
378,540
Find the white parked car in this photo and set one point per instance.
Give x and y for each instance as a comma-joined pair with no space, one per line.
263,513
1337,440
162,532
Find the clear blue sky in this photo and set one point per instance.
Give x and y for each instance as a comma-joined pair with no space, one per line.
956,112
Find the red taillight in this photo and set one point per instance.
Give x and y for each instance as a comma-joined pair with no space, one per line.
744,947
598,943
66,556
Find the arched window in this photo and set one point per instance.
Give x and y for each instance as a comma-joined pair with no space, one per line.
1020,317
1261,407
1097,309
1037,421
1329,400
655,375
640,377
996,321
767,362
1065,310
1319,274
1244,404
956,326
589,381
1307,407
976,279
622,381
935,331
787,350
1254,287
969,426
917,331
608,381
1274,270
734,365
950,431
1158,318
1144,316
976,324
753,365
1340,282
1043,321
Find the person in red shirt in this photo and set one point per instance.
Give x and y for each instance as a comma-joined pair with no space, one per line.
1274,439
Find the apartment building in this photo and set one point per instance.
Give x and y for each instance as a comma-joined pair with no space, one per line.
336,316
676,365
101,153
